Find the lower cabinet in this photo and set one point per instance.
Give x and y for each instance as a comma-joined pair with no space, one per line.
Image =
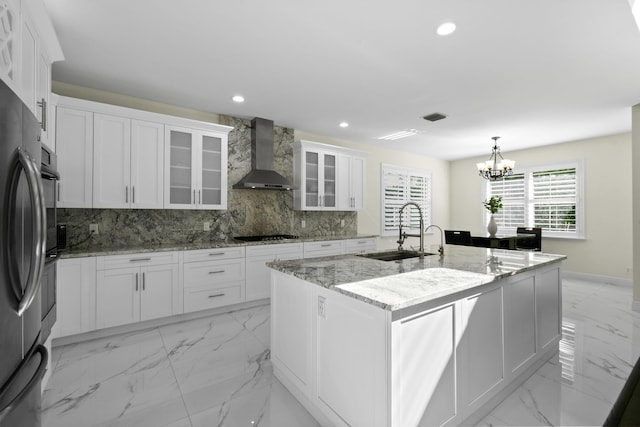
258,274
213,278
356,246
135,288
75,296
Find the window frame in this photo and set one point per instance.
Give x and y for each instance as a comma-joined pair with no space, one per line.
425,204
529,201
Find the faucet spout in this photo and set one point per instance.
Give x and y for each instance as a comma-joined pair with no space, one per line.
403,235
441,248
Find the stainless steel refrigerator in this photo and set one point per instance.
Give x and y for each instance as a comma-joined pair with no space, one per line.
23,359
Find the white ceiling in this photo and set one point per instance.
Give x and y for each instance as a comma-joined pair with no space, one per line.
533,72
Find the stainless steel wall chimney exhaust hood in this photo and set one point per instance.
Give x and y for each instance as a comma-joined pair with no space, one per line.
262,175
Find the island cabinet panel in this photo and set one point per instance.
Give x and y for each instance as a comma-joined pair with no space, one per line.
258,285
482,341
424,368
548,304
520,322
291,330
349,350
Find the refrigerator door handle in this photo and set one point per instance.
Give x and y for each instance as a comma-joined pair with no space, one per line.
25,162
35,379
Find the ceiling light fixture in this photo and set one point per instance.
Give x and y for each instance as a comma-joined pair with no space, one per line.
493,169
446,29
344,125
400,134
238,98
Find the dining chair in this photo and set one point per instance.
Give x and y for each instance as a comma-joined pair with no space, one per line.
531,239
457,237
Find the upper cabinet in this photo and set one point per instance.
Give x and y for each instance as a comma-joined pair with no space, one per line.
116,157
128,163
28,46
328,177
196,169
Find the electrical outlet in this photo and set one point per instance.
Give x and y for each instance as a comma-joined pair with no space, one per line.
303,223
322,312
207,226
93,229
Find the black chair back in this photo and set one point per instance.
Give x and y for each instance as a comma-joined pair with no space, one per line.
457,237
531,239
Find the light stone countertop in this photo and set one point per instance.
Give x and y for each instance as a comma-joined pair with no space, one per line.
397,285
187,246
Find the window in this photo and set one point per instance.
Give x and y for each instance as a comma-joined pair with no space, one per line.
399,186
549,197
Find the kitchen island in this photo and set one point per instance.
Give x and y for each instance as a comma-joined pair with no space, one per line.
431,341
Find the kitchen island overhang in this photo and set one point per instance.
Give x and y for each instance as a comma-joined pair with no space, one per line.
430,341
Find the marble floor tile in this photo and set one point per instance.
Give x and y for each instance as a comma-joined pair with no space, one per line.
216,371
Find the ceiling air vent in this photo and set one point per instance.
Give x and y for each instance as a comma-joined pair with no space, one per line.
434,117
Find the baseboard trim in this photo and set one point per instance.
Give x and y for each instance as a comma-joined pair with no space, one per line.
619,281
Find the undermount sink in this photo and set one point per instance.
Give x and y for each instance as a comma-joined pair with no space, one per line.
392,255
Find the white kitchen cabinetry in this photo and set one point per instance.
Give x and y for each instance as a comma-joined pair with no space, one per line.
75,296
351,169
132,288
213,277
357,246
443,362
128,163
328,177
258,274
74,147
196,169
323,248
9,37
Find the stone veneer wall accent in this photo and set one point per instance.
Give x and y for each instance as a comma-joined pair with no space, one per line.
250,212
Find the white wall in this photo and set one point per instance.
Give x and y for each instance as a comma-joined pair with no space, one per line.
369,218
607,247
636,204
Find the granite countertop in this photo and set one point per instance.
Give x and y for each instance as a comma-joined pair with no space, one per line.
222,243
396,285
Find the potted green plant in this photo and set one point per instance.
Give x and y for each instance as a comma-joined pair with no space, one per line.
493,205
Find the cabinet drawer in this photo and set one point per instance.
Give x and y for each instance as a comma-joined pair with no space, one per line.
214,254
326,248
288,250
355,246
203,298
136,260
213,273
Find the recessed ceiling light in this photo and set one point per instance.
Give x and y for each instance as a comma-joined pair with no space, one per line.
400,134
446,29
238,98
344,124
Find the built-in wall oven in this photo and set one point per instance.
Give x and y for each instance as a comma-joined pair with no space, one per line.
50,177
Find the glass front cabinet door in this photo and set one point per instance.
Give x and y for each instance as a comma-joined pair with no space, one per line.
196,169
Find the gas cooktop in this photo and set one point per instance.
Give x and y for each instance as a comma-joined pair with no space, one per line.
265,237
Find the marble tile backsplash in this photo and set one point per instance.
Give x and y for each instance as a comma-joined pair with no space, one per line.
249,212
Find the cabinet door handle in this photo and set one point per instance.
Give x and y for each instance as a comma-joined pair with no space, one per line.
58,182
133,194
139,259
325,245
136,282
199,198
216,253
216,272
216,296
43,105
126,194
194,197
143,281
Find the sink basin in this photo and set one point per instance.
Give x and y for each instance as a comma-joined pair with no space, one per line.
392,255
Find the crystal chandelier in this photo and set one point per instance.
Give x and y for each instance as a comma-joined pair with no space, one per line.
494,168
